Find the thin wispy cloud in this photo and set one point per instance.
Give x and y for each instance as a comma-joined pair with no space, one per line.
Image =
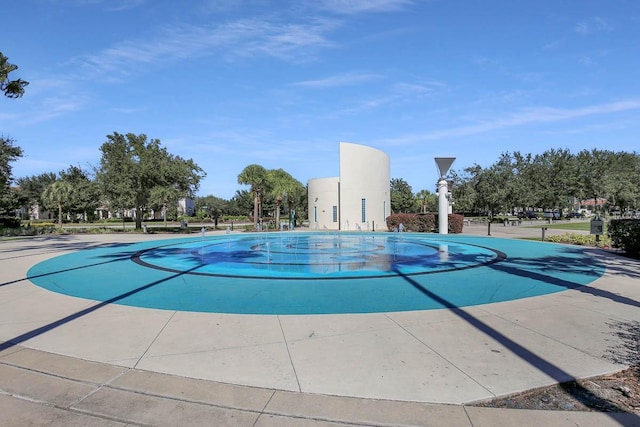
243,38
418,89
338,80
362,6
525,117
112,5
127,110
591,26
54,107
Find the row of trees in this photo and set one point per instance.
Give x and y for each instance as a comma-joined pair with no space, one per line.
134,173
139,174
555,179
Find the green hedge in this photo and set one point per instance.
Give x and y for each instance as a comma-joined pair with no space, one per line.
456,222
625,235
9,222
411,222
424,223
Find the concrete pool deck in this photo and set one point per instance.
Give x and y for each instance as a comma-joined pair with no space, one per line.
69,361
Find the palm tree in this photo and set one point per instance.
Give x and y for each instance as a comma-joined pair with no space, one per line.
11,88
281,184
57,193
426,200
255,176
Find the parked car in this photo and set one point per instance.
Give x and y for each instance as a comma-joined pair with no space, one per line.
528,215
553,215
575,215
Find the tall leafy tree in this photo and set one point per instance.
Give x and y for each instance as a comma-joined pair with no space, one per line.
462,189
11,88
135,172
401,196
623,184
241,203
556,180
489,185
255,176
30,189
212,207
504,174
8,153
594,173
521,188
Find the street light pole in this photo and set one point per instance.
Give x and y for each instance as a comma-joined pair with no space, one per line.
443,164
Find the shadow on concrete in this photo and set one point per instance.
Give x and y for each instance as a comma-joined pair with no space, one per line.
46,328
548,368
42,245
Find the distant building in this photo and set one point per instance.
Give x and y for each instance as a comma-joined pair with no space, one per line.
359,199
186,207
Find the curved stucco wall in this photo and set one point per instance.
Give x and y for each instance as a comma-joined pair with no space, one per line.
364,176
323,196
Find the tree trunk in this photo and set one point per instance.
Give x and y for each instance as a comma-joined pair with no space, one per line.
164,213
277,214
255,210
60,215
138,218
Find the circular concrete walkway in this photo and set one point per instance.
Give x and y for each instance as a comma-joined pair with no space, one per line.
73,358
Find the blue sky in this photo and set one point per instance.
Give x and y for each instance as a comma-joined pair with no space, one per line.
281,83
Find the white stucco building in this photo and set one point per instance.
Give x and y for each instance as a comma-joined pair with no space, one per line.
359,199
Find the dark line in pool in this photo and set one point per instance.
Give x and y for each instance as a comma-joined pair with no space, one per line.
500,256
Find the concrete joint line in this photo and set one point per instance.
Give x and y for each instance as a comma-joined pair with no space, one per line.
293,366
155,338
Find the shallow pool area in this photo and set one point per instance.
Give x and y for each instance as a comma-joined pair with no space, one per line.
317,273
317,256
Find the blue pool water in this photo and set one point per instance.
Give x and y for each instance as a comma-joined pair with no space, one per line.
317,273
317,256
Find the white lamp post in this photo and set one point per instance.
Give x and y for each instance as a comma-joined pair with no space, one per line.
443,164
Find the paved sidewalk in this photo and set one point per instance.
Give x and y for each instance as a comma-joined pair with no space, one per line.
66,362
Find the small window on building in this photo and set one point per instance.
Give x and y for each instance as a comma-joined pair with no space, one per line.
364,210
335,214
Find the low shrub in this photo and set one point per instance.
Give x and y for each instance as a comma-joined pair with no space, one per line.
580,239
41,224
625,235
27,231
238,218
